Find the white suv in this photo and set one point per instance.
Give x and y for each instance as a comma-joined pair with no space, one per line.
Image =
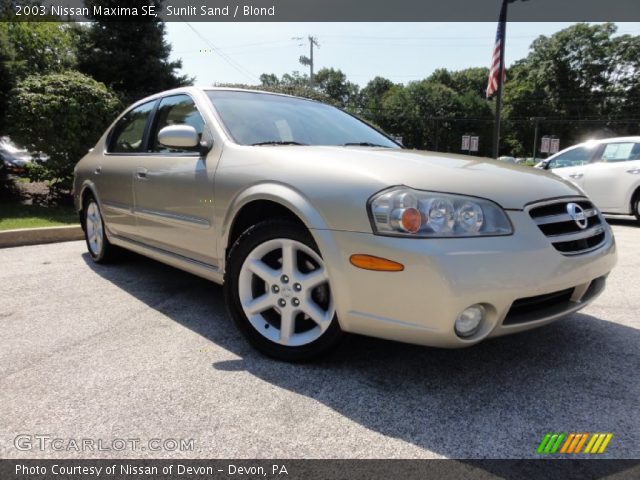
608,170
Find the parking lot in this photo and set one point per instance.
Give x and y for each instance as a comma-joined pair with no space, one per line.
139,350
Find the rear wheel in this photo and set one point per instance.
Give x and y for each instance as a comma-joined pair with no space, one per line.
278,294
100,249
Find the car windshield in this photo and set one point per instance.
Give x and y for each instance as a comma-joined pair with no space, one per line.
265,119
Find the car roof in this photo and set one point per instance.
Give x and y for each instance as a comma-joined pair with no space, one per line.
595,141
205,89
613,139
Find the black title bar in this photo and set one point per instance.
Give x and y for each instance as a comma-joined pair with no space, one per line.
316,469
329,10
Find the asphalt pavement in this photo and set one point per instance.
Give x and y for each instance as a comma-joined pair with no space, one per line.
139,351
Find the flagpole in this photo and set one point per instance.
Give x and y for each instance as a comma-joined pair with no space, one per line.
496,125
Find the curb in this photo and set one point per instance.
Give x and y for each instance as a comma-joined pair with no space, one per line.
35,236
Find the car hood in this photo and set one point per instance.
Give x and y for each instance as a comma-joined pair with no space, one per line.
511,186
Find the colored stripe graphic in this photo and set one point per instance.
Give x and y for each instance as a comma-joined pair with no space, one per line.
573,443
581,443
567,443
593,439
605,443
543,443
555,447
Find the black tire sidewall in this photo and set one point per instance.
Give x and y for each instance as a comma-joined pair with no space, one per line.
247,242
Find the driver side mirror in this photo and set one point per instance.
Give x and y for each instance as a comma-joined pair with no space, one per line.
179,136
183,136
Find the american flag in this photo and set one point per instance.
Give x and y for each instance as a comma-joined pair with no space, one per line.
494,77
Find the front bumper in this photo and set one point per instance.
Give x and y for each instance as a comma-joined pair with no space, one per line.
442,277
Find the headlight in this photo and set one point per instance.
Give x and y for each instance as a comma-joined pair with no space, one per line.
403,211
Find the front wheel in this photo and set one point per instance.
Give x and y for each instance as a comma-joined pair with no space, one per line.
277,292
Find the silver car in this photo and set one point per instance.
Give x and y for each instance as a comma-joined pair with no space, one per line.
607,169
318,224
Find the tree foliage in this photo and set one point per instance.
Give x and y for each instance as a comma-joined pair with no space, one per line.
581,81
303,91
132,58
30,48
330,85
62,114
432,113
335,85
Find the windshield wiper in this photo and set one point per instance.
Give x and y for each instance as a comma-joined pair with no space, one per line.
364,144
277,142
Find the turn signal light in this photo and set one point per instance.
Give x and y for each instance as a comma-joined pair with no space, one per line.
369,262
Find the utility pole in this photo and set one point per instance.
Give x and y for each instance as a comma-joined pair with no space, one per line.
313,41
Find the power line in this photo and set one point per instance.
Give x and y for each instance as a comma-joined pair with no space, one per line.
239,68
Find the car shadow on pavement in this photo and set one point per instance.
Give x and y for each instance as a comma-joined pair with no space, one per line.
494,400
624,221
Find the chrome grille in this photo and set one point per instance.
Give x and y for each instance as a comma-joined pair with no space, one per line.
568,236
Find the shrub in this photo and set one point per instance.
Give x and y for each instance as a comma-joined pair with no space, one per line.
63,115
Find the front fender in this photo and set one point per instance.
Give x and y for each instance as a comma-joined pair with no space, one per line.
285,195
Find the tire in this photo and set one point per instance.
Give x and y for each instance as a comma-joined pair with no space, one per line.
98,245
284,308
635,206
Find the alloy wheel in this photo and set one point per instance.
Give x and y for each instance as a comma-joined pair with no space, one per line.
284,292
95,229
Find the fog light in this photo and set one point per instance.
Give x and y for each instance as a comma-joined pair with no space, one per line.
469,321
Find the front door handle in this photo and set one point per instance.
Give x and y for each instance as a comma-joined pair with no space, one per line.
141,173
576,175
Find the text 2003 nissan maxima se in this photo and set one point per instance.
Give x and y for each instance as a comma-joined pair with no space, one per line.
318,224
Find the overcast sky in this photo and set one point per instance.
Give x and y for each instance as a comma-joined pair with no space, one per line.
401,52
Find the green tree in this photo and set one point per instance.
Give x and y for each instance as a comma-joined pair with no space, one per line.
371,99
580,79
463,81
62,114
295,79
269,79
41,47
423,113
131,58
335,84
303,91
29,48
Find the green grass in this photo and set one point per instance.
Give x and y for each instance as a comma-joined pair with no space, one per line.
15,215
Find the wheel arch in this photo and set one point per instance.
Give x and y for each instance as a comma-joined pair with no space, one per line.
635,194
635,197
88,189
264,202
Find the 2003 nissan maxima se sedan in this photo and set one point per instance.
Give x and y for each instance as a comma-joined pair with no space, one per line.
318,224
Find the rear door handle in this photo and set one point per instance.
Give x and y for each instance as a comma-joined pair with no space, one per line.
141,173
97,170
634,171
576,175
